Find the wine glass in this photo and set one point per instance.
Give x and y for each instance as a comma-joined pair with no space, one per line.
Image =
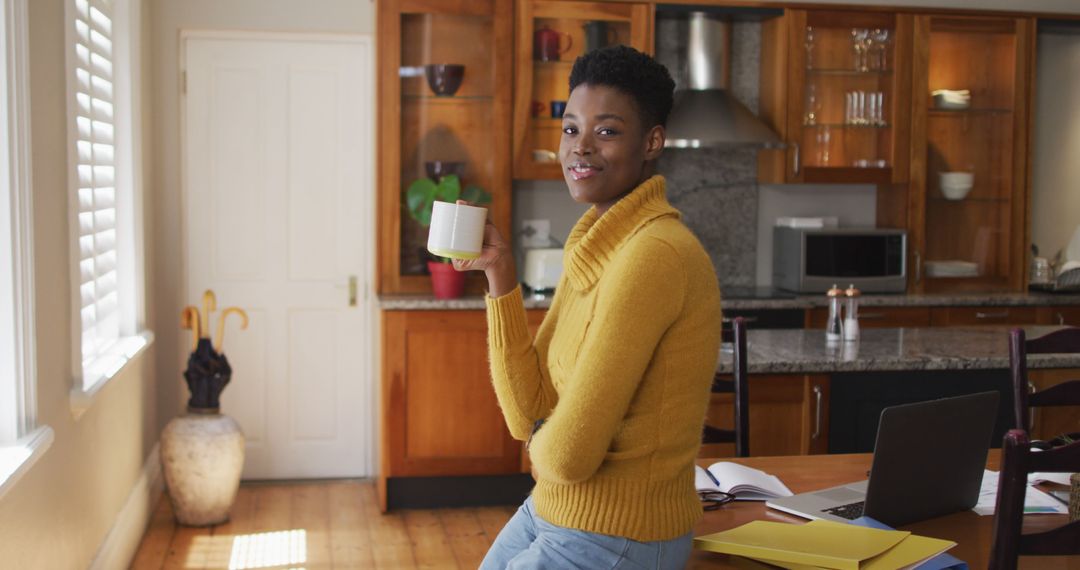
880,39
810,47
813,105
858,46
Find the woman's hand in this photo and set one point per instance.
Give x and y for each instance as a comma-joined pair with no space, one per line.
496,261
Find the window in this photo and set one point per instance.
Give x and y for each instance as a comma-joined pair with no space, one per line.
107,288
21,441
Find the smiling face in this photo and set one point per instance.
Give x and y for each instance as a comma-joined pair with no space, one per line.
606,151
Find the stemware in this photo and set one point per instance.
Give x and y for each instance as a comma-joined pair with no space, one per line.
880,38
858,47
810,47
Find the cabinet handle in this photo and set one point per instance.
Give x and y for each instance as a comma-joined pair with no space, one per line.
998,315
795,157
745,319
817,412
1061,319
1031,415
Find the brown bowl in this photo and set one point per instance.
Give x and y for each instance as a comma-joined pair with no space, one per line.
444,78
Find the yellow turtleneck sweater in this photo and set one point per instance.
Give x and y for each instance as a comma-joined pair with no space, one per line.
620,371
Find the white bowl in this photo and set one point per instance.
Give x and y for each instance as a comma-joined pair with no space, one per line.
955,192
956,178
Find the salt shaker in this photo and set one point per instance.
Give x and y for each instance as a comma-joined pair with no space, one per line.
851,314
834,328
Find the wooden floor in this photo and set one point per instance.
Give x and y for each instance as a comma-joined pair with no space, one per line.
311,526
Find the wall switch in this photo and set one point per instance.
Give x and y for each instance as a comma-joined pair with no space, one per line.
536,233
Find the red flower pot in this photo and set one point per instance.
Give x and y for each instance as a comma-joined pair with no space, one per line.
446,282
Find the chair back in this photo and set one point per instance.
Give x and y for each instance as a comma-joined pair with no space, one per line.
1064,341
739,387
1017,461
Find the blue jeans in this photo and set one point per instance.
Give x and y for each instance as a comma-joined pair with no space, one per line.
530,542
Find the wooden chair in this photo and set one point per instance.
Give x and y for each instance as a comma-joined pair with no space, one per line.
1024,395
738,386
1017,460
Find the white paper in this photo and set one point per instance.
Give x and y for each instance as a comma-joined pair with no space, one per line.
1044,477
746,483
1036,502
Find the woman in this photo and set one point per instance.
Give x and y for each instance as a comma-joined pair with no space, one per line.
612,393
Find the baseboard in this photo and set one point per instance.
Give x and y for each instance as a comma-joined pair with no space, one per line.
120,545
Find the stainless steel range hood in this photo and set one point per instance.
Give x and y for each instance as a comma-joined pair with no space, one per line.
705,114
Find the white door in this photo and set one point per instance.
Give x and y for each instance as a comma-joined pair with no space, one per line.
278,200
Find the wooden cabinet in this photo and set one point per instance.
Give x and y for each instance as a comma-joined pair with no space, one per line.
835,85
542,75
969,160
439,411
423,133
1064,315
876,317
1050,422
967,316
789,415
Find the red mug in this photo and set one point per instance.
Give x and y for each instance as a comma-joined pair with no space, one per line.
546,44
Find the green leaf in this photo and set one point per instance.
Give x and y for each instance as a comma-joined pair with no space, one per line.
418,199
476,195
449,188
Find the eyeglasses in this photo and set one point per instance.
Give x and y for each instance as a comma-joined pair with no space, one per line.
713,500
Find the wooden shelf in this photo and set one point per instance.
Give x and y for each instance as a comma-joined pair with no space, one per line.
933,112
446,98
849,72
847,126
980,200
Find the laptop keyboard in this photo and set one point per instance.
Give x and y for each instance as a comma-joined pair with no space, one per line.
850,512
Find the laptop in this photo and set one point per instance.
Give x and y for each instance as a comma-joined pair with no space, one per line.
928,461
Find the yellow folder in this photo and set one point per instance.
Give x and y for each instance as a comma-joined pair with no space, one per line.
908,553
840,547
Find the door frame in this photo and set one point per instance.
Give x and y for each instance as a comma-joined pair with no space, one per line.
372,347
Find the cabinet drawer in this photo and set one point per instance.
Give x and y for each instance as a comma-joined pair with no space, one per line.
1068,315
966,316
877,317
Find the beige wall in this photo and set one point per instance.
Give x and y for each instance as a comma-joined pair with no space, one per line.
172,16
1055,195
59,513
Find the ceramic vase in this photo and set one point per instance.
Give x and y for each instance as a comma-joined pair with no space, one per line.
202,455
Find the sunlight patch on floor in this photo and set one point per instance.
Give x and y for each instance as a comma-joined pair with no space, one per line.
268,549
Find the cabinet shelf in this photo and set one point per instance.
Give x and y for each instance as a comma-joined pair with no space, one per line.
449,99
849,72
934,112
941,200
846,126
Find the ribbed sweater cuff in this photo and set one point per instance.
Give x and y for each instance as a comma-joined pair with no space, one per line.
507,321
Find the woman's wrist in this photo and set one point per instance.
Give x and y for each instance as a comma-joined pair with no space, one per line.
501,275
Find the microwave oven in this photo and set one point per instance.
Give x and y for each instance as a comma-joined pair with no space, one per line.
809,260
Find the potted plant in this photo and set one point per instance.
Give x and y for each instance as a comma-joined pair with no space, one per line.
446,282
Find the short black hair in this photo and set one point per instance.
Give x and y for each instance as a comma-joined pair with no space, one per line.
636,74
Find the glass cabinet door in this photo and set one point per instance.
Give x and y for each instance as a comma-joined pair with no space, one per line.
550,36
847,69
975,111
444,110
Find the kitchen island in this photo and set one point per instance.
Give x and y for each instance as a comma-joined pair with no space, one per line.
845,385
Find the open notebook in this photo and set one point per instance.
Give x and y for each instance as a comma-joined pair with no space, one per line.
746,483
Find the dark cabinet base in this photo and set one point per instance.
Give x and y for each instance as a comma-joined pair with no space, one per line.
857,398
439,492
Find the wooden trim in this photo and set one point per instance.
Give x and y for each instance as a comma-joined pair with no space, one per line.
902,104
388,135
1024,124
772,97
796,82
453,7
920,63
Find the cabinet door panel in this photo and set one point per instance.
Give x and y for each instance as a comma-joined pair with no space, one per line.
966,316
1050,422
788,416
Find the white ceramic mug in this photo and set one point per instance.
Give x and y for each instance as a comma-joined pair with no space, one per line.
457,230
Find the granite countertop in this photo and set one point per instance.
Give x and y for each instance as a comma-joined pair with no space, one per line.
776,351
428,302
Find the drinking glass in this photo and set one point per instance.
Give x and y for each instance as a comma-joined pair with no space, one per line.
880,37
810,47
813,105
858,47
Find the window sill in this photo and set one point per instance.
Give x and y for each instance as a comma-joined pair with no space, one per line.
83,396
16,460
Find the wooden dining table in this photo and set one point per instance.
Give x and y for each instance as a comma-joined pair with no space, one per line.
972,533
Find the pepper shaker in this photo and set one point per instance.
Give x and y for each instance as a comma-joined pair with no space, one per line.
834,328
851,314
